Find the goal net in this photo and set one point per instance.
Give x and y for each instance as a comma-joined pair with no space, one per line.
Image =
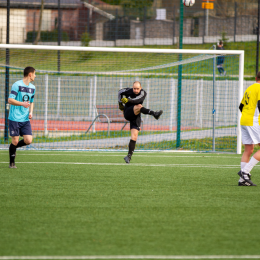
76,100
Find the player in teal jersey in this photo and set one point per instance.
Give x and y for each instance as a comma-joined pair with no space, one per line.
21,99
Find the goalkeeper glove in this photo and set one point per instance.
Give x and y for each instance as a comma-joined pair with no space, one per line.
124,100
121,106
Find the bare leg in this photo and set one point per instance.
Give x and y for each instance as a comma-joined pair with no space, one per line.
27,139
249,148
134,134
15,140
137,110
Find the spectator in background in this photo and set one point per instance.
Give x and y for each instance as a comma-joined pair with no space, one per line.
221,59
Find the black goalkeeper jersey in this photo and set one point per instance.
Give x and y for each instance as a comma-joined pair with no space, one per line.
133,99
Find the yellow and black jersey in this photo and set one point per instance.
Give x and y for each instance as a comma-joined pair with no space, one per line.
250,106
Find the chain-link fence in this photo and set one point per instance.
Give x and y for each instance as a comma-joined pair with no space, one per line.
149,23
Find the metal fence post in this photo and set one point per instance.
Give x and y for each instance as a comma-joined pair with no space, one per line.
116,27
88,21
144,34
172,96
58,98
213,99
46,106
204,26
34,32
235,22
7,76
178,136
94,103
59,33
173,31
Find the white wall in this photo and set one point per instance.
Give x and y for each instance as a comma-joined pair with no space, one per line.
17,25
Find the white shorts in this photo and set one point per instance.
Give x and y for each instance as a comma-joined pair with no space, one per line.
250,134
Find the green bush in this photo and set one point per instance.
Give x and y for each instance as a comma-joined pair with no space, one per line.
85,39
47,36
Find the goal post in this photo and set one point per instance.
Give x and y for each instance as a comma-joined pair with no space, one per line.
209,101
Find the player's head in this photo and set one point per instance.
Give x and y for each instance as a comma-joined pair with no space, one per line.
257,78
221,43
29,72
137,87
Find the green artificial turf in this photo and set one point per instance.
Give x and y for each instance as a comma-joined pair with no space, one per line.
160,204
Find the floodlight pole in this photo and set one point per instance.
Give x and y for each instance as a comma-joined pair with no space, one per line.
7,72
178,137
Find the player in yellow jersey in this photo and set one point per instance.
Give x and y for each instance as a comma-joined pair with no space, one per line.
250,129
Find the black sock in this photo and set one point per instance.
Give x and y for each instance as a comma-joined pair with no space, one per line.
131,147
21,143
147,111
12,150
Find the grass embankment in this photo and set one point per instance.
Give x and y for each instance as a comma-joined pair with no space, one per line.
101,62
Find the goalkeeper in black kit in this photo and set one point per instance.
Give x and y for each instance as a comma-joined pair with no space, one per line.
131,104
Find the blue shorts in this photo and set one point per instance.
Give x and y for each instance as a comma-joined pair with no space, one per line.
20,128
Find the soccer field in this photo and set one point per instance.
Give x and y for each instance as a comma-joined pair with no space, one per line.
90,204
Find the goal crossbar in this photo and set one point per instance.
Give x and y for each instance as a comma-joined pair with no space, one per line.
108,49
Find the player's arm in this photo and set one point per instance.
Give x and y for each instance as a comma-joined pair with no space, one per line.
31,106
121,93
139,99
241,106
12,96
31,110
14,102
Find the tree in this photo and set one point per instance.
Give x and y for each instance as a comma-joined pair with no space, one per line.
40,24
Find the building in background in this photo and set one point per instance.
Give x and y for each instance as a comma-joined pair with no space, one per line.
121,25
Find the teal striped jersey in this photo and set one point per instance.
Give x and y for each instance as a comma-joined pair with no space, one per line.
22,93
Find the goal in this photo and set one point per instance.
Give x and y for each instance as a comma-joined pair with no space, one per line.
77,85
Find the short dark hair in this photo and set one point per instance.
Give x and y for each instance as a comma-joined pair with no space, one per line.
258,76
28,70
220,42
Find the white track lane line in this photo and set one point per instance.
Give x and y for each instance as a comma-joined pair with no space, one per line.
131,257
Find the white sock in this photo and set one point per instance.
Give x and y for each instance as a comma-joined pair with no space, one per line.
249,166
243,164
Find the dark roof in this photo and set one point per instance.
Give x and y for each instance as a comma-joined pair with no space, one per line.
49,4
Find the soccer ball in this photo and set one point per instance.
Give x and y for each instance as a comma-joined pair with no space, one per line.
188,3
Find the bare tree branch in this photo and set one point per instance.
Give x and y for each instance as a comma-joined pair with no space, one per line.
40,24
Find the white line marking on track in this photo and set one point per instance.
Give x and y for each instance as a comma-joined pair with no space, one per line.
132,257
141,164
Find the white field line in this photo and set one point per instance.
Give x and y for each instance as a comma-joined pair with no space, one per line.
120,155
105,150
141,164
132,257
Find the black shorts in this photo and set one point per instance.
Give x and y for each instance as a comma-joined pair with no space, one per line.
20,128
135,120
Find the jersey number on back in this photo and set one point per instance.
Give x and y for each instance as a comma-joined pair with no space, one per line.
246,98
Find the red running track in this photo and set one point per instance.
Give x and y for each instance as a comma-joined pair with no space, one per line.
57,125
